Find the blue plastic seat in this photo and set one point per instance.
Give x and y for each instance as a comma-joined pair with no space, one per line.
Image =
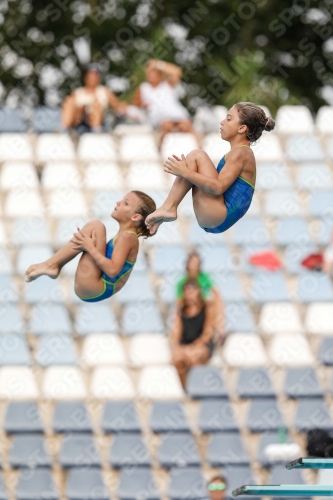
273,176
295,253
323,230
255,383
321,204
30,254
282,203
302,383
291,231
314,176
46,120
168,287
11,320
264,415
267,439
49,318
197,236
142,317
229,286
3,491
120,416
138,288
29,451
43,290
280,475
37,486
22,417
86,484
168,416
128,450
312,413
215,258
8,289
169,260
217,416
205,382
178,450
314,287
14,350
325,353
71,416
56,350
227,449
269,287
238,318
137,484
187,483
95,318
250,231
11,121
237,475
105,201
78,450
304,148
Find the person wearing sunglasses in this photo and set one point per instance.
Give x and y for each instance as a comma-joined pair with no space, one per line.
217,488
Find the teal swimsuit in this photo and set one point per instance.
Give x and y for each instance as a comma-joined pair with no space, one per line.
237,199
110,283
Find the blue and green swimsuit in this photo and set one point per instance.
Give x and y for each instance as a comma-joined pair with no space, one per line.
110,283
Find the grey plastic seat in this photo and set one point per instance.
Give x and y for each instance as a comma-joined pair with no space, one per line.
255,383
43,290
294,230
86,484
11,121
50,318
312,413
205,382
227,449
11,320
217,416
269,287
22,417
105,201
197,236
250,231
239,318
314,287
29,451
30,231
137,484
78,450
314,176
120,416
71,416
304,148
295,253
273,176
169,260
282,203
280,475
325,353
237,475
302,383
215,259
92,318
178,450
14,350
264,415
128,450
138,288
142,317
265,440
229,286
56,350
36,486
187,483
8,289
321,204
168,416
46,120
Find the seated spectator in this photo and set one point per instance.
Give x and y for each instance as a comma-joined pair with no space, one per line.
158,94
328,258
217,488
84,109
192,332
208,290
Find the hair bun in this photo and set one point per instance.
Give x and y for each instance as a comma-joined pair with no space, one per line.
270,124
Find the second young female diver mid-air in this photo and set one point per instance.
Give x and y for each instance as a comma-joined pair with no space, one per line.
104,266
222,195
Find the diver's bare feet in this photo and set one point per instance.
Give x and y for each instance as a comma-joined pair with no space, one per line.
154,220
43,269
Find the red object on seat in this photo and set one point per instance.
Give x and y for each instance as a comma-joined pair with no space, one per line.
313,261
267,260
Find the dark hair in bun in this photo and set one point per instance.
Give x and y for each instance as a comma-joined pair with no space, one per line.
255,119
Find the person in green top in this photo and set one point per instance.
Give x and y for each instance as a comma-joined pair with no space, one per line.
207,287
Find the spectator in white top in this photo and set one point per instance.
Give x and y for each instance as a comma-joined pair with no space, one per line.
158,94
84,109
328,258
